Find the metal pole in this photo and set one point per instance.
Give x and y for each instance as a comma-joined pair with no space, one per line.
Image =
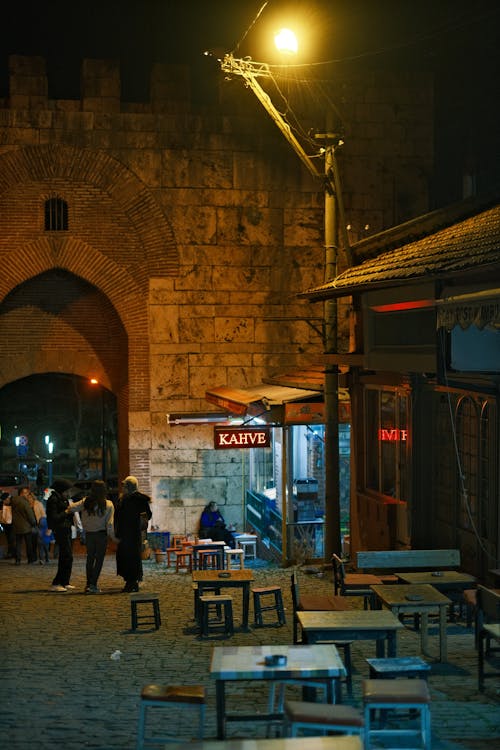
332,491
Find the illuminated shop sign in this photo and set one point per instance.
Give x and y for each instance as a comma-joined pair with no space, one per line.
252,437
392,435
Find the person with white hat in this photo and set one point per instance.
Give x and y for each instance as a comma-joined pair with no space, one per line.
131,518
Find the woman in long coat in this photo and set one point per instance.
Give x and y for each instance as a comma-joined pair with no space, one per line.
131,519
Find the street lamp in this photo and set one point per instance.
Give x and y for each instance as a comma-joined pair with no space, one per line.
334,226
50,450
95,382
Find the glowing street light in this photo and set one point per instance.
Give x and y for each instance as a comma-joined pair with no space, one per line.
286,42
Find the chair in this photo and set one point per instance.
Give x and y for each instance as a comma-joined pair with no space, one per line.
488,629
177,543
323,718
395,696
353,584
248,543
321,603
184,559
150,618
169,696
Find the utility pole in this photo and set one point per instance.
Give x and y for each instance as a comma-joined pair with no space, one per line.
334,226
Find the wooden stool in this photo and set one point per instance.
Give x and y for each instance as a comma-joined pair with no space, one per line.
164,696
183,560
150,618
235,555
323,718
405,666
277,605
213,591
397,695
207,605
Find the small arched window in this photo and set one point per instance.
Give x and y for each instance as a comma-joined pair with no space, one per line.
56,215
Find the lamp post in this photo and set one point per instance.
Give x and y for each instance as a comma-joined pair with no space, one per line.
334,225
95,382
50,449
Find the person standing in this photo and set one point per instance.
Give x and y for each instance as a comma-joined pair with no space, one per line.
61,522
6,521
131,519
39,512
96,514
23,523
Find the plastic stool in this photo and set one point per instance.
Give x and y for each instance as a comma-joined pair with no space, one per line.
164,696
207,604
239,556
397,695
277,605
150,618
322,717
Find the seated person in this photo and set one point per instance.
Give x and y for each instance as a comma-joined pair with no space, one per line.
213,526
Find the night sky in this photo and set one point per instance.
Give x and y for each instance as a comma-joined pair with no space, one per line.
456,39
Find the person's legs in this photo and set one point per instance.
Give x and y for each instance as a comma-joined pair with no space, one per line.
65,559
19,543
101,544
90,539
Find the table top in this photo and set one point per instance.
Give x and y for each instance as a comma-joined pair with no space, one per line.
214,576
437,577
410,595
354,619
247,662
280,743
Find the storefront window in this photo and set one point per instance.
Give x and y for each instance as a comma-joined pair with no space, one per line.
386,442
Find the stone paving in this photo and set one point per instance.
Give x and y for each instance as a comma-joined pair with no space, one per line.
61,689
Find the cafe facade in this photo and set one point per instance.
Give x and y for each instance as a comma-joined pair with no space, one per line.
424,384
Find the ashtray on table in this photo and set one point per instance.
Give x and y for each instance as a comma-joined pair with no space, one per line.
275,660
414,597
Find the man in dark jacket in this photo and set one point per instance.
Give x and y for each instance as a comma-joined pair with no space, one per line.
61,522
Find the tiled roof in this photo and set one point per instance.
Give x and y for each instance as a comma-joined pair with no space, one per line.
469,244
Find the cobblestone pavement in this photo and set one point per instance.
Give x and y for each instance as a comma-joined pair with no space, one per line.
60,689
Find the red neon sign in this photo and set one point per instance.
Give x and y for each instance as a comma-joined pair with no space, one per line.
392,435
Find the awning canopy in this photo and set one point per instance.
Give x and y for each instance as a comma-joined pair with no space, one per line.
257,400
277,404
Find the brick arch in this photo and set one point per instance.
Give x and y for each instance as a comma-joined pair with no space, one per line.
81,259
129,194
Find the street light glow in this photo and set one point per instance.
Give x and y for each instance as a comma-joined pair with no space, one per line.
286,42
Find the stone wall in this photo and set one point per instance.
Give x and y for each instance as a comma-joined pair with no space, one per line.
191,229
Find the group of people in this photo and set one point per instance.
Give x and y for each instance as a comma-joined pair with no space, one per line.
24,520
100,522
126,525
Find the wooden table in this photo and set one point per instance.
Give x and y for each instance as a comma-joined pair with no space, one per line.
352,625
280,743
443,580
422,599
242,579
236,663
